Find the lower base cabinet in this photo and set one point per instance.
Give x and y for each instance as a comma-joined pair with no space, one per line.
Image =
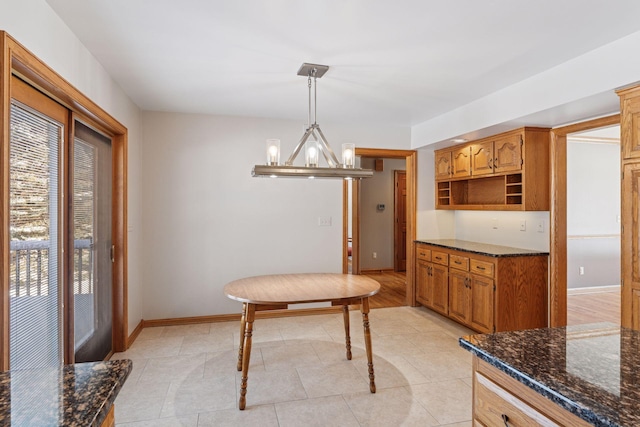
499,400
485,293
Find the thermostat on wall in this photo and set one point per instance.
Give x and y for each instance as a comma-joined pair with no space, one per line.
380,206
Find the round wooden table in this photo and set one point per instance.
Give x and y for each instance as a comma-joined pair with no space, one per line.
277,292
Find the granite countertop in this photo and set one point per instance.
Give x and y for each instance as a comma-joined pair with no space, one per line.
72,395
593,371
481,248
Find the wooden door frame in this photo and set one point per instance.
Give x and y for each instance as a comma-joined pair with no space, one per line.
410,157
396,226
16,60
558,215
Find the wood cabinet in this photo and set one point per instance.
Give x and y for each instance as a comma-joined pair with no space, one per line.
485,293
461,162
630,254
501,400
630,122
432,289
443,164
492,173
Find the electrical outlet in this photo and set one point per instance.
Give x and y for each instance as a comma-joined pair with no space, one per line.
374,255
581,270
541,226
523,225
324,221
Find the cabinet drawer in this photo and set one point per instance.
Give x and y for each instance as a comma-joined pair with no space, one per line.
459,262
440,258
482,267
493,405
423,253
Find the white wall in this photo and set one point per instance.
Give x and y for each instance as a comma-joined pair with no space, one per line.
431,223
503,228
34,25
377,226
593,212
208,222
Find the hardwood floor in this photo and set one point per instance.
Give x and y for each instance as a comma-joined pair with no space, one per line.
593,307
393,289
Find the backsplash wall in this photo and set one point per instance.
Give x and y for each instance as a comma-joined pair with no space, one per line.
503,228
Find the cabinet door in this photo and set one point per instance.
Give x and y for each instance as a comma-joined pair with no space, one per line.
482,158
461,162
507,154
630,124
459,296
422,283
440,288
630,243
481,316
443,164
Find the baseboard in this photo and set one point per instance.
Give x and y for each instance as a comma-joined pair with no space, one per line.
236,317
135,334
593,290
376,270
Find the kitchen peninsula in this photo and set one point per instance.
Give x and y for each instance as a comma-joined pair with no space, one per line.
485,287
73,396
576,375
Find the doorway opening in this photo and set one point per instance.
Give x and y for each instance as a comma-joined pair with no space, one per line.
367,206
558,276
593,239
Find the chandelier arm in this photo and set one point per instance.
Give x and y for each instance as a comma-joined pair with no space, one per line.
315,98
329,155
309,116
304,138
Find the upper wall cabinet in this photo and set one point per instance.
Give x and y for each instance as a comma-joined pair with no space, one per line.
461,161
443,164
630,122
509,171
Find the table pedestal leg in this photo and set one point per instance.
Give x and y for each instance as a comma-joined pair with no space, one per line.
367,340
246,353
243,322
345,314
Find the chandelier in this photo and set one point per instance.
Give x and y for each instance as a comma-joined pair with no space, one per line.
314,143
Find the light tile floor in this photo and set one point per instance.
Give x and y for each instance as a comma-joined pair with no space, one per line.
299,375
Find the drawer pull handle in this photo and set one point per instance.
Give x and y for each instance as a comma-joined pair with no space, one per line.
438,258
480,268
457,262
506,420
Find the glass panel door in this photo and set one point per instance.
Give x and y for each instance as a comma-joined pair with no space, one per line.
35,313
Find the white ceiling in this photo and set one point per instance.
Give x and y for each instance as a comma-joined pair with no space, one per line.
398,62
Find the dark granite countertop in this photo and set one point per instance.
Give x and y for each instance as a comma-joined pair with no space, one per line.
481,248
73,395
593,371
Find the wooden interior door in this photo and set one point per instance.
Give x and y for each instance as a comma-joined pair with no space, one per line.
400,221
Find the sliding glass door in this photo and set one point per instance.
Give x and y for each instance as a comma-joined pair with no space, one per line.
37,129
60,302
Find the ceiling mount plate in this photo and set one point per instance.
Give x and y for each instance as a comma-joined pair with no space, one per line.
307,69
